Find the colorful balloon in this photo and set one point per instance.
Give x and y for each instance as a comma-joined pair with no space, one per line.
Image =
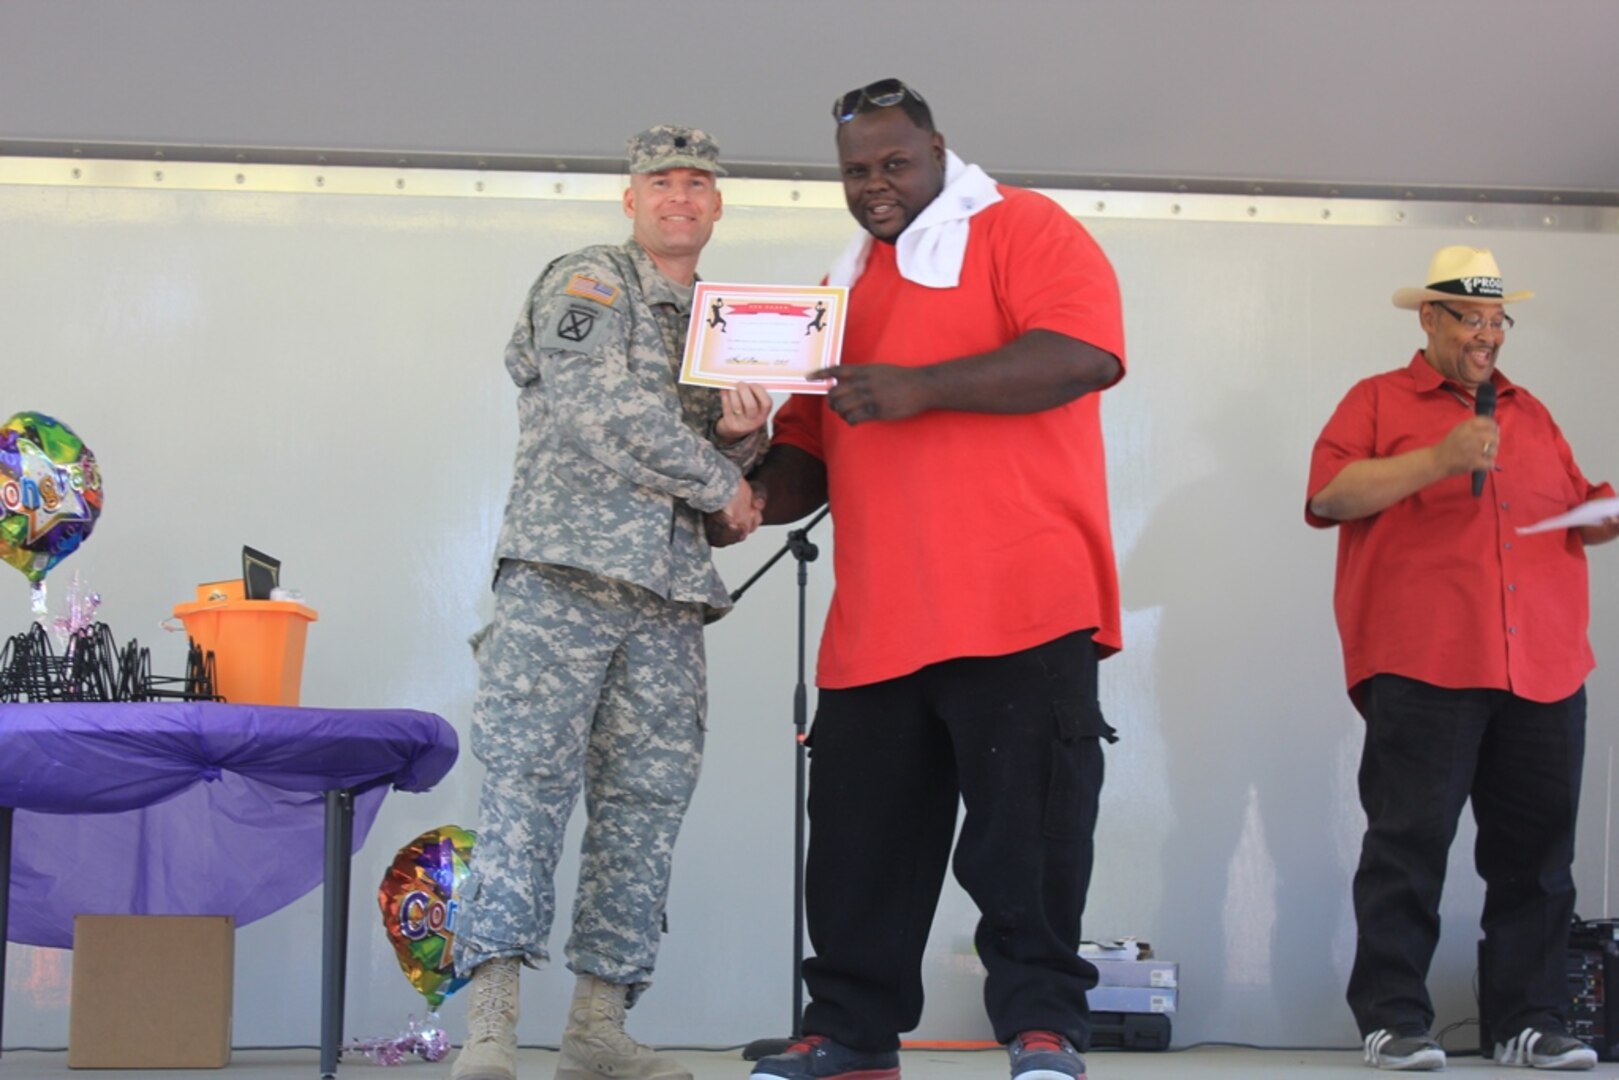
419,897
50,493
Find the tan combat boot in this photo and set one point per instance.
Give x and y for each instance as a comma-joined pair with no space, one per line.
595,1045
490,1052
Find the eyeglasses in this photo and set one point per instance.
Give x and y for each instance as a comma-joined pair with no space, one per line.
883,93
1474,322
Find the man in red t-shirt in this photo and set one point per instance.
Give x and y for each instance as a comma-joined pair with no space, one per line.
1465,649
960,449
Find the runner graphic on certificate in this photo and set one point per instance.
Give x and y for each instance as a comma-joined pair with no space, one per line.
772,335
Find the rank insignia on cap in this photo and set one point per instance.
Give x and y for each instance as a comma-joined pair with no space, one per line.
588,288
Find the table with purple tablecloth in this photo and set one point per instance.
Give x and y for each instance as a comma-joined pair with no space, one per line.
190,808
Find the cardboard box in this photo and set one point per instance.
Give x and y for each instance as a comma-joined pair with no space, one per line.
213,592
1131,999
1164,973
151,991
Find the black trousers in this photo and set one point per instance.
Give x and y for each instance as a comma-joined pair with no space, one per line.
1428,751
1016,740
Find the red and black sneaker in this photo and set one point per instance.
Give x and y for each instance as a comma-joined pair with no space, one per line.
816,1057
1044,1055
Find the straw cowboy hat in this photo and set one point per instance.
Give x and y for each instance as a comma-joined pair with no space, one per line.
1460,273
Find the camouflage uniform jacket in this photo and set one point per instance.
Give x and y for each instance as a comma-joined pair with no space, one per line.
616,459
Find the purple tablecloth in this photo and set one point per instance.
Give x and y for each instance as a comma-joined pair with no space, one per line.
191,808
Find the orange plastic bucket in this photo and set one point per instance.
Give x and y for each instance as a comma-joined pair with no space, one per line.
258,646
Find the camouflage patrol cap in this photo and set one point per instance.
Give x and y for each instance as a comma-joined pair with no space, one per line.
670,146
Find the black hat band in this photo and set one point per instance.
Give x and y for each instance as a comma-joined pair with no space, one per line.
1488,288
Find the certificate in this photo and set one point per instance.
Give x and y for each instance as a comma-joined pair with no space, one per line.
772,335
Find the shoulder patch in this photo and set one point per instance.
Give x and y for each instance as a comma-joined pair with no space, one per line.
588,288
575,324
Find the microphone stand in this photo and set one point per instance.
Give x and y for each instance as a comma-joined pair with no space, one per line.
799,545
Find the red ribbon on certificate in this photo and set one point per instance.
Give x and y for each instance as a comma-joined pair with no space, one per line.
795,310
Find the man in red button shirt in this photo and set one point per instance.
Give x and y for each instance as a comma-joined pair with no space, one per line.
1466,653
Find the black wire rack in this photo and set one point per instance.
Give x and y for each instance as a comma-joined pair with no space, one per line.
92,667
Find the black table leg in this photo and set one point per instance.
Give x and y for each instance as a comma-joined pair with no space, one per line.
335,935
5,904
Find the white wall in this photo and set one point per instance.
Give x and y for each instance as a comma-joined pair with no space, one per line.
320,376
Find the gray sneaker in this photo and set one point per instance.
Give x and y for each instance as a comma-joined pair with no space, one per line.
1044,1055
1387,1049
1538,1049
816,1057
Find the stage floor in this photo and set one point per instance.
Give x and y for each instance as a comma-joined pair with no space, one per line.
1200,1063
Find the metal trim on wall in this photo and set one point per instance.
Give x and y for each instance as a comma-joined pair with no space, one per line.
1092,204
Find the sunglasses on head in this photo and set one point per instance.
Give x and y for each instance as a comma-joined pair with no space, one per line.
882,94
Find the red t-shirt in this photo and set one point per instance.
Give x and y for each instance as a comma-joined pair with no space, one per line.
969,534
1440,587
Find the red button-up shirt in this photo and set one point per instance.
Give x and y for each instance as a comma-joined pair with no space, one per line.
960,533
1440,586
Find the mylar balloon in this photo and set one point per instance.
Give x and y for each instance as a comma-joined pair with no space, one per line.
50,493
419,897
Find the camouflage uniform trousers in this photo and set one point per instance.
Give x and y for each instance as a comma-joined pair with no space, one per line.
583,681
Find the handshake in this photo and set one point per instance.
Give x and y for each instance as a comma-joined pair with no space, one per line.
734,522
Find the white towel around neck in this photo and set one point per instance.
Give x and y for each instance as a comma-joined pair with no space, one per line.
931,249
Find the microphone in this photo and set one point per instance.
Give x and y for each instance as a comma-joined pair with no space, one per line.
1483,405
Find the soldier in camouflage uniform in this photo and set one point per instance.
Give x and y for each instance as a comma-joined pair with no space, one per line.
592,673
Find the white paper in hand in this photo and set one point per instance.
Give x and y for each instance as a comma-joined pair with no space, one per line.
1590,513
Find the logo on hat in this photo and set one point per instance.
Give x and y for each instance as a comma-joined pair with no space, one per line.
1460,273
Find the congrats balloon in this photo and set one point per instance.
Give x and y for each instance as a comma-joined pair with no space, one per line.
50,493
419,896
